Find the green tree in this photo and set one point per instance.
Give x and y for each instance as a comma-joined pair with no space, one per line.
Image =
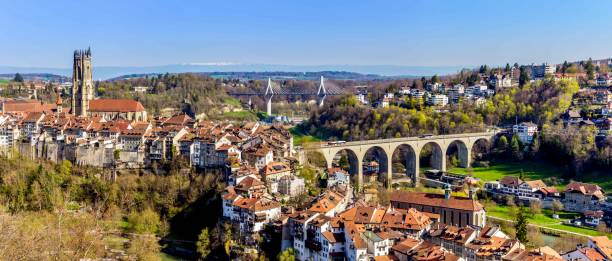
590,69
145,222
483,69
502,143
523,76
18,77
435,79
144,247
520,225
515,148
343,162
534,146
203,243
227,238
287,255
564,67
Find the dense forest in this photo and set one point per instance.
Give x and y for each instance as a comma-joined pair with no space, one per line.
349,121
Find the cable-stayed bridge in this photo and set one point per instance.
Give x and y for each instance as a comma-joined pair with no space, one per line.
272,91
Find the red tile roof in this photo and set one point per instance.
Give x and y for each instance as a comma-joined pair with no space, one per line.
115,105
426,199
22,106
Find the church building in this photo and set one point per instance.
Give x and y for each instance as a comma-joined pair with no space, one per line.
83,103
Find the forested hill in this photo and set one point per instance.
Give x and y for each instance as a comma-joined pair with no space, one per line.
577,148
36,77
540,102
188,92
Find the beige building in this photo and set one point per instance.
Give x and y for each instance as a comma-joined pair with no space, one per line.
452,210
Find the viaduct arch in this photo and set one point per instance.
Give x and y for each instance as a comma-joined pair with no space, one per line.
410,146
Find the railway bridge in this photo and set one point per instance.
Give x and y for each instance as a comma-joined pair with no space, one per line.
410,147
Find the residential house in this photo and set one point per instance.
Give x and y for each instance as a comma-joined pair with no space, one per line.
539,254
273,172
603,244
593,218
525,131
337,177
580,196
253,213
291,185
583,253
437,100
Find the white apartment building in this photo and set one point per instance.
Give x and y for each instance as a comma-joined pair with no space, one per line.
437,100
525,131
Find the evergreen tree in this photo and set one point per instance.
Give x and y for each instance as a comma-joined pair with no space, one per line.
18,78
520,225
564,67
515,148
524,76
483,69
590,69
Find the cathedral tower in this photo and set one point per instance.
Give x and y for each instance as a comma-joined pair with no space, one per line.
82,83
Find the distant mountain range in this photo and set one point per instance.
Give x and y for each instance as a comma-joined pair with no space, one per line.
342,71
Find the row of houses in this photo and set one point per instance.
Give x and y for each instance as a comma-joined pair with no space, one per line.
138,144
577,197
435,94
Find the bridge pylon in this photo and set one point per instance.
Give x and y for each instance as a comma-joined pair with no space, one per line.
268,96
321,93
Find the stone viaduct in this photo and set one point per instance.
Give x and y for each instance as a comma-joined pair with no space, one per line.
410,146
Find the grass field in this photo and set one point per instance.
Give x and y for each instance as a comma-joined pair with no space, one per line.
232,101
300,138
241,115
532,171
545,220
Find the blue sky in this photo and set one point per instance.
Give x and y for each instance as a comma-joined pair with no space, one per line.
406,32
